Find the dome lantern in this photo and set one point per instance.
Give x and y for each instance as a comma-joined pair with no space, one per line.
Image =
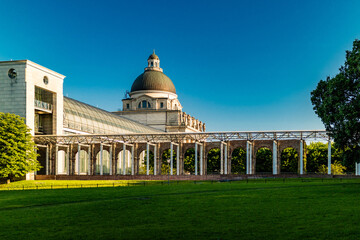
153,63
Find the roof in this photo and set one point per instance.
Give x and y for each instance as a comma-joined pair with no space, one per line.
86,118
153,56
153,80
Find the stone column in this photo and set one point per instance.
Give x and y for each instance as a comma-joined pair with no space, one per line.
196,159
275,158
329,157
301,157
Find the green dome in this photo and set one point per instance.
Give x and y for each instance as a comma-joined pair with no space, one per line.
153,56
153,80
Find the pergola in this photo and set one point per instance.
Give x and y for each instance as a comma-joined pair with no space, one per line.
202,142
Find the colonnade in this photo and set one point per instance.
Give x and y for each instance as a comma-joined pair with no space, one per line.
70,154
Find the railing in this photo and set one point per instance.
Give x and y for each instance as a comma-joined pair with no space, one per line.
43,105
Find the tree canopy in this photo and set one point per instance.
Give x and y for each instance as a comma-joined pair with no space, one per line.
17,149
337,102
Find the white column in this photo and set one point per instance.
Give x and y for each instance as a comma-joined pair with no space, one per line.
78,160
67,161
123,160
47,160
171,159
128,162
275,162
56,159
177,160
201,160
250,159
147,158
221,158
132,161
247,157
101,159
357,168
196,159
89,160
226,159
329,157
301,157
111,160
155,167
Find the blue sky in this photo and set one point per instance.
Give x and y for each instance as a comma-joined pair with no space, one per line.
236,65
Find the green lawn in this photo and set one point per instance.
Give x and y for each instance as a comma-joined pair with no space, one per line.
296,209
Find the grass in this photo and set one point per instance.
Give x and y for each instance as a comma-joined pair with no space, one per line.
296,209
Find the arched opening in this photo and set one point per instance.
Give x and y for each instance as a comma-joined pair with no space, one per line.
213,161
238,161
61,162
165,166
143,160
189,161
84,162
263,160
289,161
105,162
124,163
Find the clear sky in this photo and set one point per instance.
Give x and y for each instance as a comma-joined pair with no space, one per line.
236,65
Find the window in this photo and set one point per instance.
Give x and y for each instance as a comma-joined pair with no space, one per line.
151,64
46,80
144,104
161,105
127,106
12,73
156,64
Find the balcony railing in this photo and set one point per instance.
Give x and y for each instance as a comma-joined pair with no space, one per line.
43,105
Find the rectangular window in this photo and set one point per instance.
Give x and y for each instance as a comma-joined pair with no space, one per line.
161,105
127,106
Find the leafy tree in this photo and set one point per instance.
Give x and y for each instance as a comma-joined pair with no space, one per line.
17,149
289,160
189,160
142,168
337,102
238,161
317,155
336,168
263,160
213,161
165,166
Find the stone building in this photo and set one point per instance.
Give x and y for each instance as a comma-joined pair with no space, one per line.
153,101
36,93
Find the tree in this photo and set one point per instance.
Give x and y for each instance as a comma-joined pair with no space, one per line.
317,155
337,102
336,168
263,160
165,166
238,161
213,161
17,149
289,160
189,160
142,167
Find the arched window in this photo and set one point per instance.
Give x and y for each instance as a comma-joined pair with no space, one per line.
144,104
139,105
